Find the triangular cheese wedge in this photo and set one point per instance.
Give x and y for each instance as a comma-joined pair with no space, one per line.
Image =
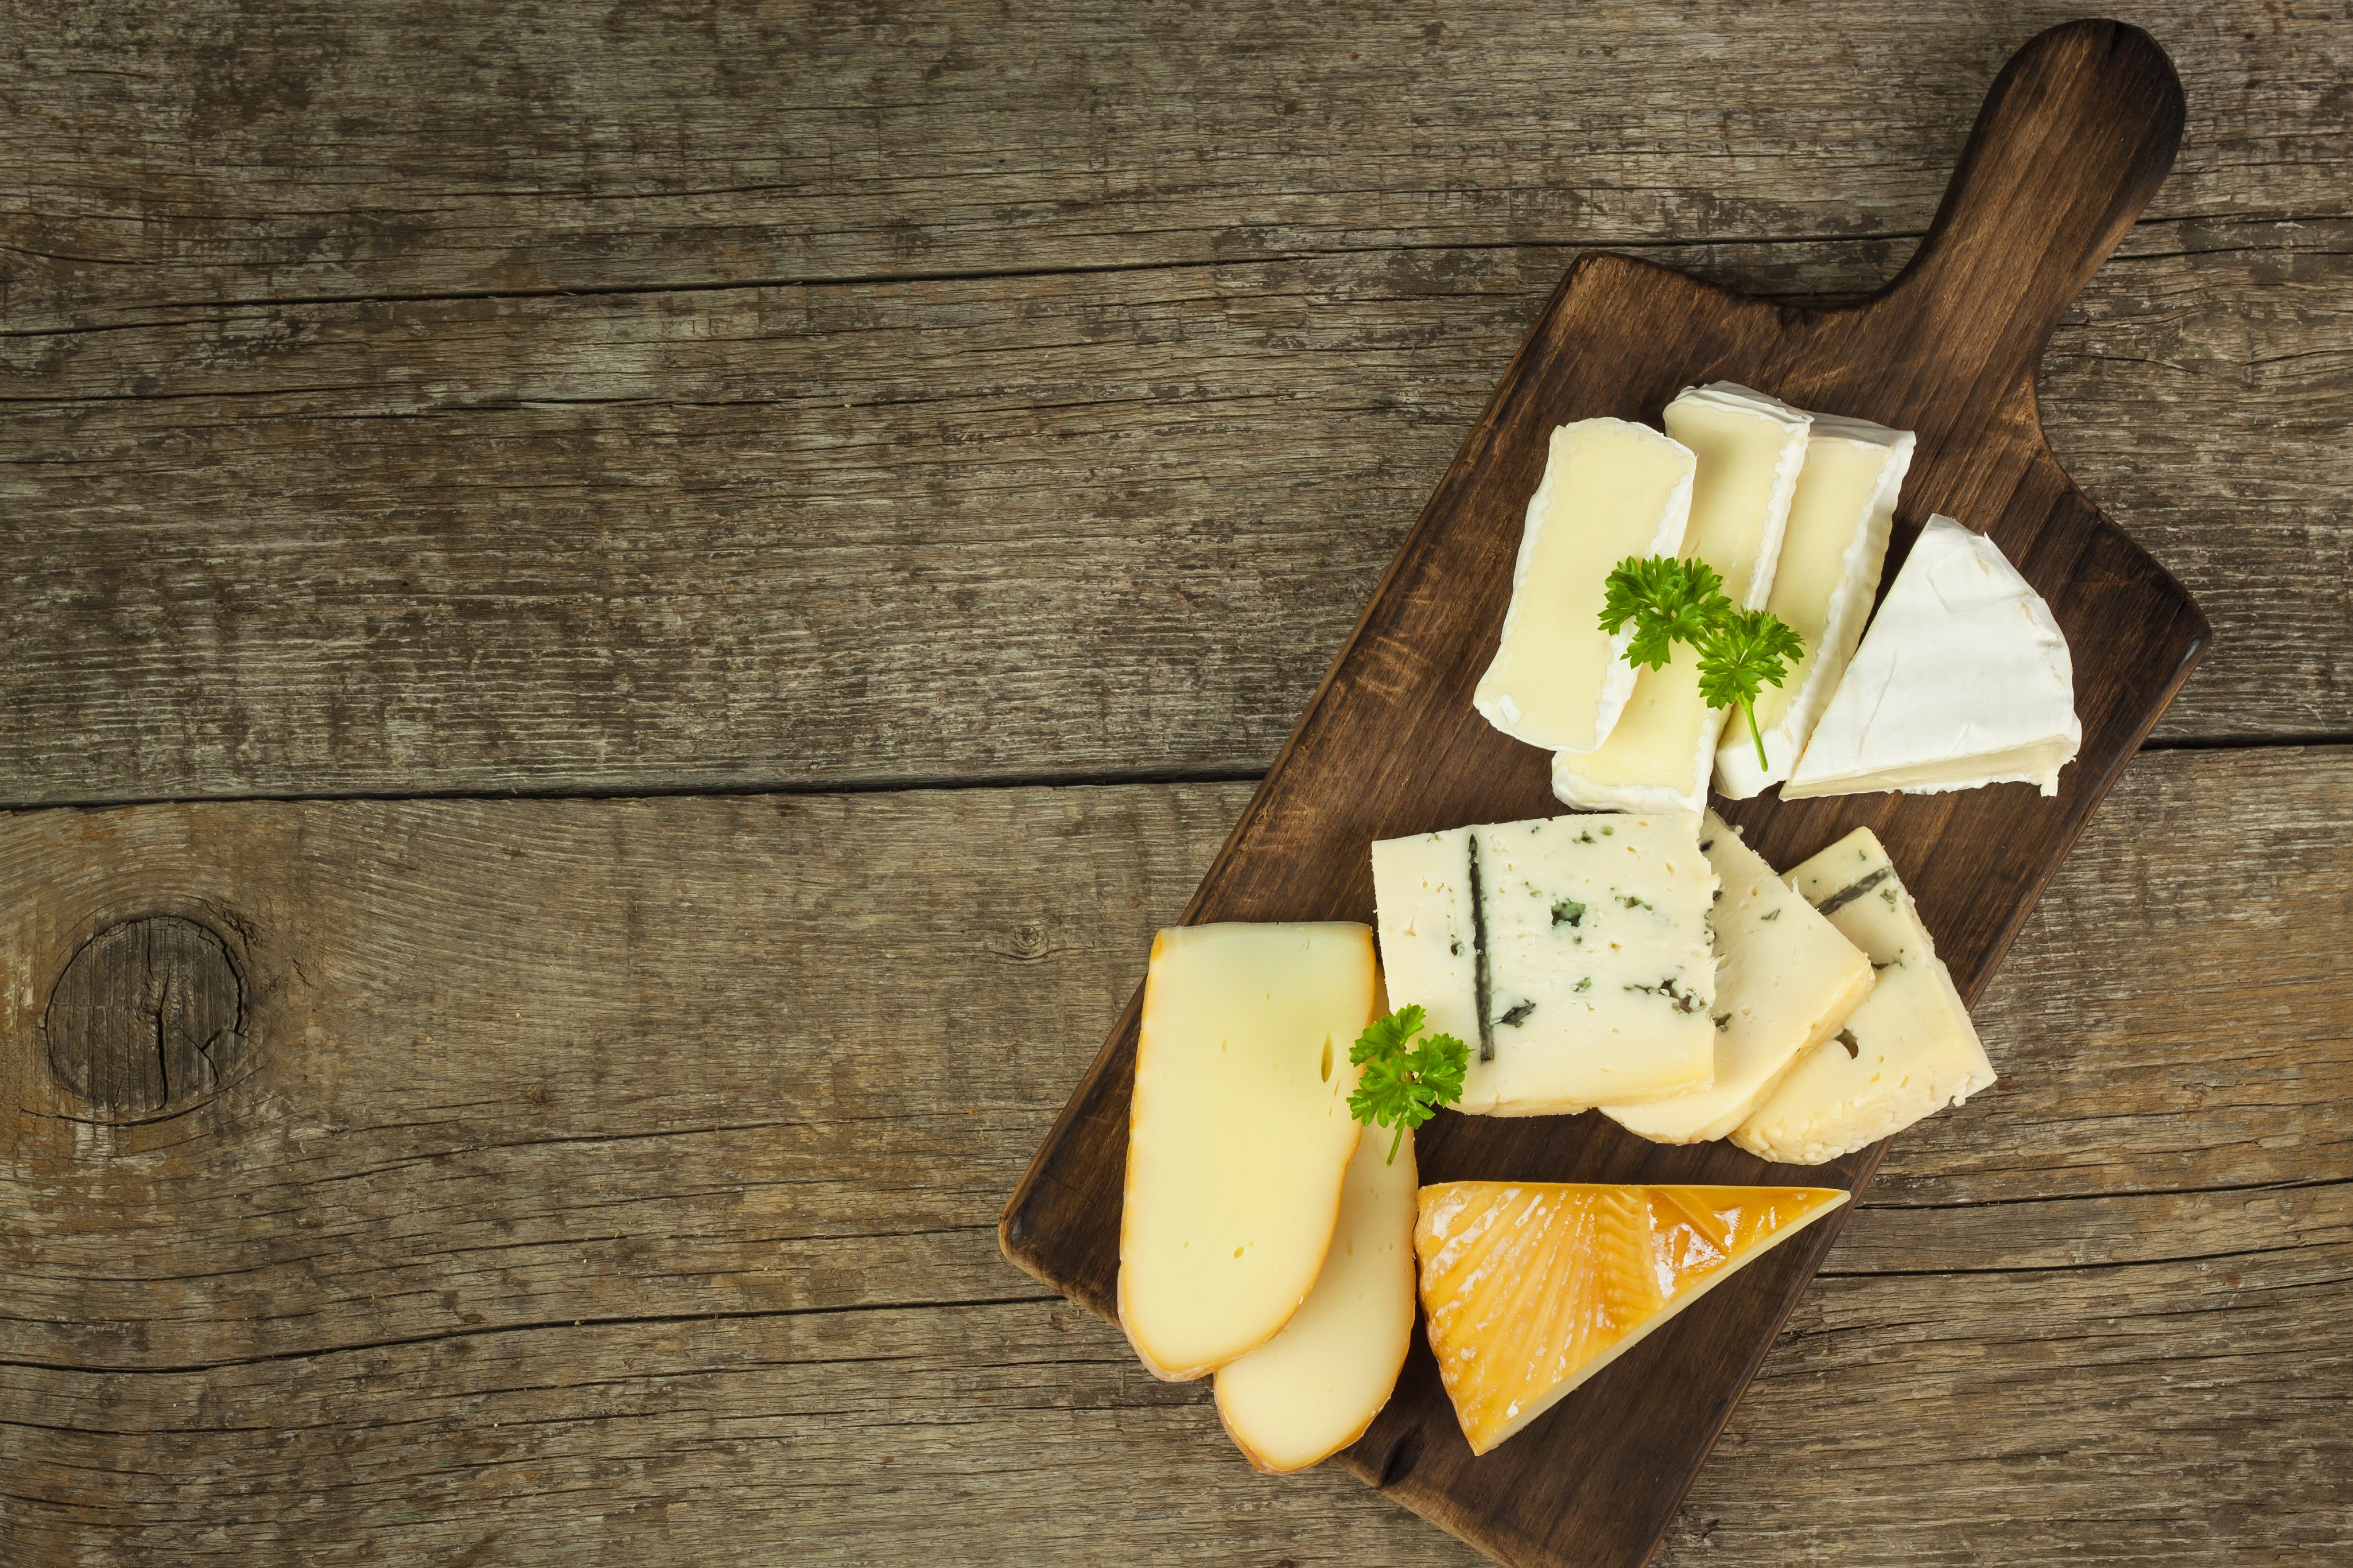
1313,1388
1533,1287
1963,680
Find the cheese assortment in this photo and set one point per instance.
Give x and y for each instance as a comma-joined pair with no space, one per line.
1963,680
1571,952
1748,449
1907,1050
1611,488
1533,1288
1238,1133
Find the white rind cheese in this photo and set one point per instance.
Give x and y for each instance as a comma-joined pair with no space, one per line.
1831,553
1569,952
1238,1133
1611,489
1907,1050
1785,981
1313,1388
1748,449
1963,680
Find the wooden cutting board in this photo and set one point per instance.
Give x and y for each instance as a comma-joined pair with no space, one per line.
2074,137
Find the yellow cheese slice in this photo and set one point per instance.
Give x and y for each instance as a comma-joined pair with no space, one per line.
1313,1388
1238,1133
1534,1286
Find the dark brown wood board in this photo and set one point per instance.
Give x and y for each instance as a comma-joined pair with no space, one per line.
2075,137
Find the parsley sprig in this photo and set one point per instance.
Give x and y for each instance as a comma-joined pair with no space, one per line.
1403,1085
1741,652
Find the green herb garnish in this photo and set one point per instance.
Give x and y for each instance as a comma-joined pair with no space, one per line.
1741,652
1403,1084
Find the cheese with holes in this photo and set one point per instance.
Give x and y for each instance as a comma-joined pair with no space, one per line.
1611,489
1908,1049
1570,954
1963,680
1238,1133
1748,448
1533,1288
1831,553
1785,981
1313,1388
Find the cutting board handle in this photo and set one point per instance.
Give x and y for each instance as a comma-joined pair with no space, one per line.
2076,136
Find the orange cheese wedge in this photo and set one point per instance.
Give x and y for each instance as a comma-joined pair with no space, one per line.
1533,1287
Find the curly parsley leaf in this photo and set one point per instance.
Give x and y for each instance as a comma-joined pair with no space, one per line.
1402,1084
1669,601
1742,654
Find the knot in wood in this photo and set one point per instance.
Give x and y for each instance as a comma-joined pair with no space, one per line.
148,1018
1028,942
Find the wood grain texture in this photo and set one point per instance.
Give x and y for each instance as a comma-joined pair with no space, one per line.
2076,132
554,1214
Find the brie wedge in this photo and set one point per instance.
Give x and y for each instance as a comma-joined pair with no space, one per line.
1313,1388
1785,981
1831,558
1908,1049
1238,1133
1611,489
1963,680
1748,449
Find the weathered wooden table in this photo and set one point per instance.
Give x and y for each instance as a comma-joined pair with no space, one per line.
640,610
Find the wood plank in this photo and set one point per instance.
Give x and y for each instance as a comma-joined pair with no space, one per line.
155,157
739,1083
1100,526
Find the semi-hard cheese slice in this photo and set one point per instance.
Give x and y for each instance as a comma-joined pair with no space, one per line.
1569,952
1532,1288
1313,1388
1963,680
1785,981
1831,554
1238,1133
1611,489
1748,448
1907,1049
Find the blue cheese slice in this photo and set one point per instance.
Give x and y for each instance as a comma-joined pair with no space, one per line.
1748,449
1907,1050
1611,489
1570,953
1831,553
1785,981
1963,680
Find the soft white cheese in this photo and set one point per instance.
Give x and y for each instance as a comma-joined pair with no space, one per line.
1963,680
1569,952
1611,489
1908,1049
1748,448
1831,553
1785,980
1313,1388
1238,1133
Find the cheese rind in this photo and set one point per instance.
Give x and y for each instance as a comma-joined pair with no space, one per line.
1785,981
1313,1388
1836,541
1748,449
1569,952
1611,489
1906,1051
1533,1288
1238,1133
1963,680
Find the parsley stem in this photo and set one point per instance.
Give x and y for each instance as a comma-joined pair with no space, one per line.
1762,760
1395,1144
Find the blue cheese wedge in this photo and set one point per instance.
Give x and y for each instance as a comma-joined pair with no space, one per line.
1570,953
1963,680
1785,981
1748,449
1611,489
1831,553
1907,1050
